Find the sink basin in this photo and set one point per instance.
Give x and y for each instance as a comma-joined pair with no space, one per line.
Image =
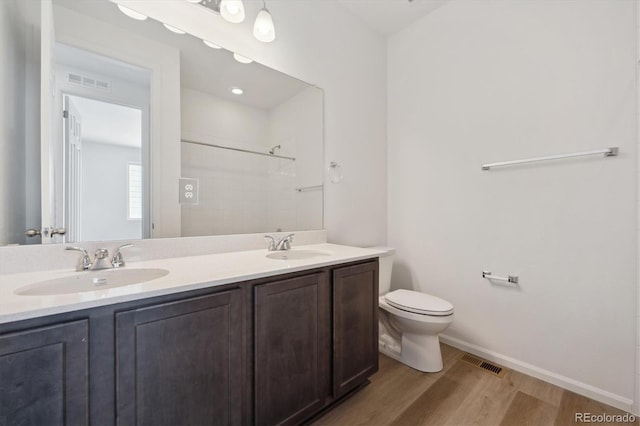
298,254
91,281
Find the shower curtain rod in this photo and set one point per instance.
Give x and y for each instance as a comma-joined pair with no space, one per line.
248,151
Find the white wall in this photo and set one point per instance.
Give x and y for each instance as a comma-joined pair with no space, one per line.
18,84
104,199
319,42
12,155
296,125
245,193
479,82
232,185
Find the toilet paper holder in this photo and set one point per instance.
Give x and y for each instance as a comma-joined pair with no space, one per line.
513,279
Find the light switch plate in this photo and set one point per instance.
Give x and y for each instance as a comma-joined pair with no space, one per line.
188,191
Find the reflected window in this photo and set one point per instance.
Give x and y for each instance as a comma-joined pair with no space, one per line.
134,191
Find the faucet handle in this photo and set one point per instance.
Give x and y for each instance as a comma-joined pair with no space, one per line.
272,243
285,243
85,262
117,261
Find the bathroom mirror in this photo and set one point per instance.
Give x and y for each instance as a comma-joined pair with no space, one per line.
117,128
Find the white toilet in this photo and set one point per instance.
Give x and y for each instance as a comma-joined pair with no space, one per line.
410,322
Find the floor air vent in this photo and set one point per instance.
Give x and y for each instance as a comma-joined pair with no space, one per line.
485,365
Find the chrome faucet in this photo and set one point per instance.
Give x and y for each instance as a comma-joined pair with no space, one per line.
118,261
85,262
98,262
98,259
283,244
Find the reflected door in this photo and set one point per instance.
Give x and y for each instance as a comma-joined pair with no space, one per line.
104,170
73,144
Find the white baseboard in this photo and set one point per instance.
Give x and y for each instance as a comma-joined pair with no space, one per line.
584,389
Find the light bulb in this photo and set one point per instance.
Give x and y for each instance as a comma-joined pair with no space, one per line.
211,45
236,90
132,13
263,28
173,29
242,59
232,10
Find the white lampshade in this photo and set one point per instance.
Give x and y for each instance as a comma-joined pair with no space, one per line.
242,59
211,45
173,29
232,10
263,28
132,13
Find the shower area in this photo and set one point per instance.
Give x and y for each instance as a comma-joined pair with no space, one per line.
252,167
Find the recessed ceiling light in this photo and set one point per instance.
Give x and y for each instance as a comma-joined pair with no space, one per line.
132,13
211,45
173,29
236,90
242,59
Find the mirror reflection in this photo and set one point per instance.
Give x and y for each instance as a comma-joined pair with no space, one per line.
149,133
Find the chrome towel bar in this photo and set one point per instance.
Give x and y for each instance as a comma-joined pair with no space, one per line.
513,279
310,188
608,152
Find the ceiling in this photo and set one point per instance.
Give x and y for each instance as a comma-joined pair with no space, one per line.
387,17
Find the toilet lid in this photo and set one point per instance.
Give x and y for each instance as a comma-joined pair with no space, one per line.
419,303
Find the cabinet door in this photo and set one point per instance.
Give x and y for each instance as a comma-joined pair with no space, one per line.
355,326
292,349
179,363
44,378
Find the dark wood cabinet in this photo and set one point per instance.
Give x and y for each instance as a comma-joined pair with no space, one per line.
292,349
44,375
180,363
276,350
355,326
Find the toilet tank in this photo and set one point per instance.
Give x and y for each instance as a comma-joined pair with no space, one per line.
385,265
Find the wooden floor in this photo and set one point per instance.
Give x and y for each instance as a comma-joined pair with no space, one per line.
460,395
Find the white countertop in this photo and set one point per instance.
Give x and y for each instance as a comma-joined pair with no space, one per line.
185,273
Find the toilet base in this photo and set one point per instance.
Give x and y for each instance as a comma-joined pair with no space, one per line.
416,350
421,352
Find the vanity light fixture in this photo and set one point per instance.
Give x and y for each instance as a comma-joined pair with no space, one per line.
132,13
263,28
236,90
173,29
232,10
211,45
242,59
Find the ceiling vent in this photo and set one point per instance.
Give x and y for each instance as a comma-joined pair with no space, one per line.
86,81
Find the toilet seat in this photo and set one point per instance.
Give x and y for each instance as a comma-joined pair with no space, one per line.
418,303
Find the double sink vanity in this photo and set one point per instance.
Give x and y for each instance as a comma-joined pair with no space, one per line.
197,327
245,337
